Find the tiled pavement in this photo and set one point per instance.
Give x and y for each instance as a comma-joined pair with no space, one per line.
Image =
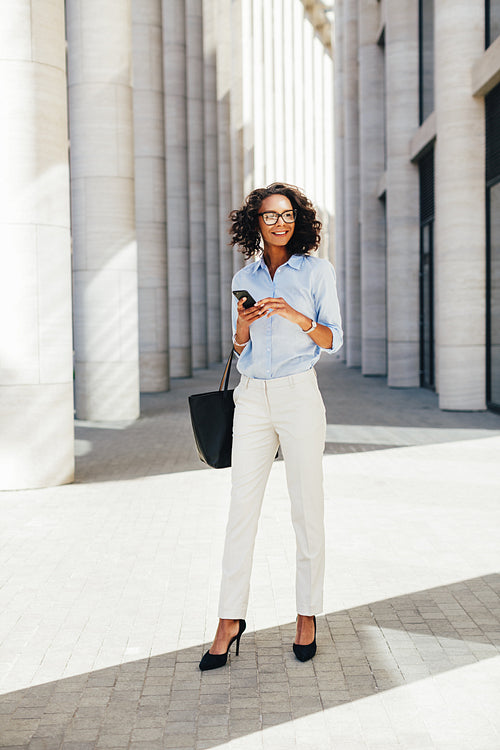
108,589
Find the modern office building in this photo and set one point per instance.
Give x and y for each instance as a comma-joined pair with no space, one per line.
128,130
417,113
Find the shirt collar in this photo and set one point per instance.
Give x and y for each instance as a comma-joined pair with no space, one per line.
295,261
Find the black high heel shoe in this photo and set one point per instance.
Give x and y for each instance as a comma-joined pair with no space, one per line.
304,653
214,661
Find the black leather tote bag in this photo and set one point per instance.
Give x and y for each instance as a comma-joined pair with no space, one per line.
212,420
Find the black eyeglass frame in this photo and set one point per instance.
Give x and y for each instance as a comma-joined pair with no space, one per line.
281,215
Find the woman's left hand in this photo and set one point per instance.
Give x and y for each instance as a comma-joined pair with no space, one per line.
279,306
321,334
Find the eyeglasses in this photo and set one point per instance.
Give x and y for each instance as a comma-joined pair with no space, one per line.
271,217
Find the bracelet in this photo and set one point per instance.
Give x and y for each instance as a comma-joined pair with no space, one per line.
235,341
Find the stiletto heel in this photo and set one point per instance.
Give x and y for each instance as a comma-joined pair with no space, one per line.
213,661
304,653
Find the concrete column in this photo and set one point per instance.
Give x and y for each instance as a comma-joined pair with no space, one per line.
460,207
372,219
237,82
150,194
288,102
401,55
318,135
267,92
178,245
329,158
247,97
196,176
351,176
103,211
36,379
279,98
298,77
258,88
224,165
310,166
211,182
338,60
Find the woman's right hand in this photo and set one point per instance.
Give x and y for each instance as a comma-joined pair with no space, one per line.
245,319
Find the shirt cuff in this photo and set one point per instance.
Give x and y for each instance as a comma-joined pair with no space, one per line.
337,339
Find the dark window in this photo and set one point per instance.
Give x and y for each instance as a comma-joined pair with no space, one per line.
381,44
492,102
426,58
426,171
492,8
493,246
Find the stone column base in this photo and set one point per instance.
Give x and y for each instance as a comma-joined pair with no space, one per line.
107,391
37,436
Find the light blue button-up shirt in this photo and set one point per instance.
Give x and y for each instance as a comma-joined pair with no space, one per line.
278,347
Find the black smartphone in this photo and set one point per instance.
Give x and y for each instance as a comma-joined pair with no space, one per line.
249,302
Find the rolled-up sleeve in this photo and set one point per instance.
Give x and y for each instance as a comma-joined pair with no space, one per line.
327,303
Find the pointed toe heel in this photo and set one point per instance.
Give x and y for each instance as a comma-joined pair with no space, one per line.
304,653
214,661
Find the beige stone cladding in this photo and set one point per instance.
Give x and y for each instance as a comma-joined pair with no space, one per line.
36,388
372,212
103,209
351,178
384,68
460,234
150,193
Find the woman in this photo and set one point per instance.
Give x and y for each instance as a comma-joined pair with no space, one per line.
277,402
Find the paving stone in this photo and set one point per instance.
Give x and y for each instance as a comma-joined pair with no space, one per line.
244,703
179,741
214,733
73,734
147,734
43,743
270,719
14,738
112,742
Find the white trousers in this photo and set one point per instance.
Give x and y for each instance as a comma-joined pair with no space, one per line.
288,411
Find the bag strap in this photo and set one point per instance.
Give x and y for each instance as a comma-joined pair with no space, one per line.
227,372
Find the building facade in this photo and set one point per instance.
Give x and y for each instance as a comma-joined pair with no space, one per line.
417,108
129,129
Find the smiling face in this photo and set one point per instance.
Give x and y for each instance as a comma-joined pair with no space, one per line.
278,234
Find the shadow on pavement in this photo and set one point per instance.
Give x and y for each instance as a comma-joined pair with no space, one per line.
161,441
165,701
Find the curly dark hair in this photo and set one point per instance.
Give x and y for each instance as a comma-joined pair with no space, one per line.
245,232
